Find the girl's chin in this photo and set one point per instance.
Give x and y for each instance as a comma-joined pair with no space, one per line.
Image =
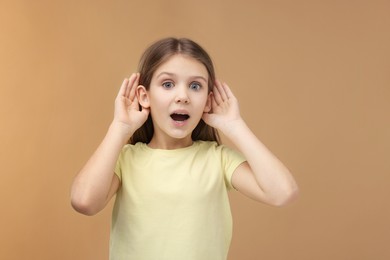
181,133
178,129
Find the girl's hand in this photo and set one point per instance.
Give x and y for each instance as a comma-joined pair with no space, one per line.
127,109
225,111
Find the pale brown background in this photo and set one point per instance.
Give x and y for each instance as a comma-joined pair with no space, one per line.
313,82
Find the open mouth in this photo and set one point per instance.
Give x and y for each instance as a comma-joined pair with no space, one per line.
179,117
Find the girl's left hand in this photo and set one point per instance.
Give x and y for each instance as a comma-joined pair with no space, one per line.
224,108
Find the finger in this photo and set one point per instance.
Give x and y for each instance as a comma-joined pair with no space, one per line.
130,84
214,103
122,90
145,111
133,87
222,91
206,117
134,104
227,90
217,93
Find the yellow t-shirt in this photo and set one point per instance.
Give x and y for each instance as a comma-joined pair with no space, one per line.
173,204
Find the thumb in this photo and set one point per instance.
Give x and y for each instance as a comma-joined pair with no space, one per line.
207,118
145,110
135,104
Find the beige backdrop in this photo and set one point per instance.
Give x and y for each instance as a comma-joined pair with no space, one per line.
313,82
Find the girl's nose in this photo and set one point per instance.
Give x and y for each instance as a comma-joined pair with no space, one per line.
182,96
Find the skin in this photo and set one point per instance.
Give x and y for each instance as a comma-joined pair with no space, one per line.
174,87
178,85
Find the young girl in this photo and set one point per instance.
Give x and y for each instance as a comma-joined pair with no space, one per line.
171,179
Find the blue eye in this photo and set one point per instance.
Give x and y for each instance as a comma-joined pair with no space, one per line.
195,86
168,84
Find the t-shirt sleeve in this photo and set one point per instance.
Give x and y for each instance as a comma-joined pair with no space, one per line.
119,162
231,159
118,169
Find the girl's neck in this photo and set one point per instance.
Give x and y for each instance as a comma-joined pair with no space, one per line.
169,144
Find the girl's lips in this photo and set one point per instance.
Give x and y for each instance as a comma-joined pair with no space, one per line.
179,123
179,117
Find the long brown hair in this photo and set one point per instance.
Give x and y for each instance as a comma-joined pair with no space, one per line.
152,58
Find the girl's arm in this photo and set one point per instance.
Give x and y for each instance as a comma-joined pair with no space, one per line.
96,183
263,177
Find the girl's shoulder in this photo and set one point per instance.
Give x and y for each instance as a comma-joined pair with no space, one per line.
135,146
129,149
213,146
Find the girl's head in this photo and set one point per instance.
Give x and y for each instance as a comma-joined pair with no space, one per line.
156,55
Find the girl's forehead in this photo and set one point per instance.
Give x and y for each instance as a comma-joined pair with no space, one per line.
182,64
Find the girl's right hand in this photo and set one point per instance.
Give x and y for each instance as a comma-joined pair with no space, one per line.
127,109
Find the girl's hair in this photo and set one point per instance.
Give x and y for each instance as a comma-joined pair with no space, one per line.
158,53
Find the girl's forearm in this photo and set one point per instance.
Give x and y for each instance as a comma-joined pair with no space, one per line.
92,184
273,178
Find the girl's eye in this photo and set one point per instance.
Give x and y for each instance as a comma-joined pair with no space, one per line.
168,84
195,86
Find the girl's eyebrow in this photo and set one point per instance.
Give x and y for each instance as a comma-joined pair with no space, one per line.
166,73
170,74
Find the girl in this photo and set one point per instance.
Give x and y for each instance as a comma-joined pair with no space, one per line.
171,179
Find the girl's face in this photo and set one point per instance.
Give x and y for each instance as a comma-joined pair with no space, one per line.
178,96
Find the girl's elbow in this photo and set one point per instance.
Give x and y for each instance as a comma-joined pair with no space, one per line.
83,206
288,197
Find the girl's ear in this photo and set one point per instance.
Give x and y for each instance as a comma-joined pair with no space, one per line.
207,108
143,97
